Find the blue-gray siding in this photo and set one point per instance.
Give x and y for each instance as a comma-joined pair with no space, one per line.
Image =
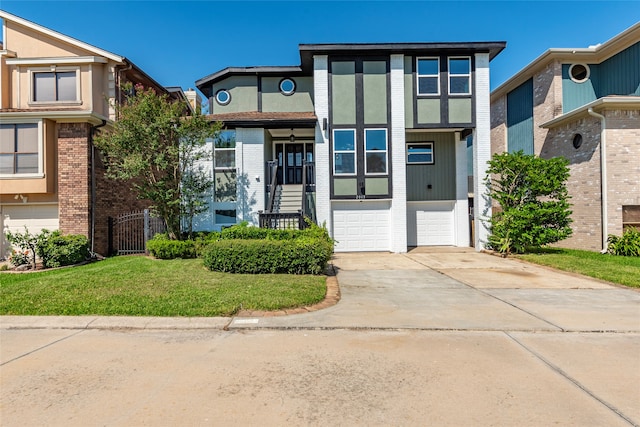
520,118
618,75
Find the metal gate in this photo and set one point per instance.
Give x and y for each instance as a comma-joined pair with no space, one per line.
129,233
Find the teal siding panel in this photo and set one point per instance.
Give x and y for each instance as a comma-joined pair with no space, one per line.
620,74
575,95
441,175
520,118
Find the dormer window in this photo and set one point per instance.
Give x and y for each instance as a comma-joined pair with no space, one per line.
55,86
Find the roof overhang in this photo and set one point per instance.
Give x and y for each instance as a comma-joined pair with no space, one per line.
59,115
601,104
267,120
62,60
592,55
204,83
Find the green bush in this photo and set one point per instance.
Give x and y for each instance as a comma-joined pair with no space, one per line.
626,245
304,255
163,248
57,250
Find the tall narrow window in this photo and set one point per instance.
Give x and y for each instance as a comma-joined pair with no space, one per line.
344,152
55,86
19,149
375,141
428,74
460,76
224,166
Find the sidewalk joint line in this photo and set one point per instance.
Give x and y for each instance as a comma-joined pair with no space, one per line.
43,347
575,382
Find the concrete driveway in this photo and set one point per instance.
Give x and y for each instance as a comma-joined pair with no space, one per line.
434,337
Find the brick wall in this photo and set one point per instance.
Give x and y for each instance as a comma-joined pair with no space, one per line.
499,125
547,101
584,180
74,178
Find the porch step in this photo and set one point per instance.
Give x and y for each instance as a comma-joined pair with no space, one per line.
288,199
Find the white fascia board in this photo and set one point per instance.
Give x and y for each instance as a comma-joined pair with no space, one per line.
8,53
60,116
610,102
58,60
56,35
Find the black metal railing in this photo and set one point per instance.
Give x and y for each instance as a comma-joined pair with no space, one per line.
272,180
282,221
129,233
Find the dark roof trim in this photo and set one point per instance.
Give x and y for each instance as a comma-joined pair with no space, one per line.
308,50
263,121
246,71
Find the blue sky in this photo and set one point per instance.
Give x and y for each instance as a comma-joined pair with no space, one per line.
179,42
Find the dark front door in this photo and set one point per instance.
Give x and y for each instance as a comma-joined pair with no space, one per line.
290,157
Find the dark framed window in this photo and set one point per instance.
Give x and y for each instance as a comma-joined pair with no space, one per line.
53,86
19,149
420,153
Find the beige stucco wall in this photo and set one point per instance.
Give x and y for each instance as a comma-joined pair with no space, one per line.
33,44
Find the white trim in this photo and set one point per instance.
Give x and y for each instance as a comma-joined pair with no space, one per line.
354,151
386,153
40,173
60,116
66,60
449,75
418,75
586,67
12,18
53,69
433,154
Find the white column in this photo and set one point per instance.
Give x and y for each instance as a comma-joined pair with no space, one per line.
481,151
399,168
250,166
461,210
323,164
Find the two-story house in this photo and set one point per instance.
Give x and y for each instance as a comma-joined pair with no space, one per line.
55,93
583,104
367,139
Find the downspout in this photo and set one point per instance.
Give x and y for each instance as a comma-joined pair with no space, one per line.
603,176
93,182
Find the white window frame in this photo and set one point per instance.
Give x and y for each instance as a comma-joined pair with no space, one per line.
386,152
418,75
53,69
449,75
40,173
426,144
354,151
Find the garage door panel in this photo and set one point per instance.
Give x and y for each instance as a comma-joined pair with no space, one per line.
430,224
365,229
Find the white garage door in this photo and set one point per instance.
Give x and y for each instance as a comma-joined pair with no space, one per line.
361,227
430,224
36,217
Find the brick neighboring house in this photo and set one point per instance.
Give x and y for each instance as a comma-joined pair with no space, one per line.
377,132
583,104
55,93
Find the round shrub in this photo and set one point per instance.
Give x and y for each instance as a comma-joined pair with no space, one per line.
163,248
57,250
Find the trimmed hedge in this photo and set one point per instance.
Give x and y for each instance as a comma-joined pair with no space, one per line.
57,250
163,248
303,255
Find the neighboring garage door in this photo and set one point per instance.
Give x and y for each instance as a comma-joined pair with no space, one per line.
36,217
430,224
361,226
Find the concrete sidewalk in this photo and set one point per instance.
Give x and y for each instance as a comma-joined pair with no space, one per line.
434,337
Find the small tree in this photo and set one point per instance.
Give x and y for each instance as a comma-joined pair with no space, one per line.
153,145
533,198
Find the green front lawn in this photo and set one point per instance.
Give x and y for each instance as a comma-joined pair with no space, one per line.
615,269
141,286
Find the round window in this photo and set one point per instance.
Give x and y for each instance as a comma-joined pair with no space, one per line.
287,86
577,141
579,73
223,97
